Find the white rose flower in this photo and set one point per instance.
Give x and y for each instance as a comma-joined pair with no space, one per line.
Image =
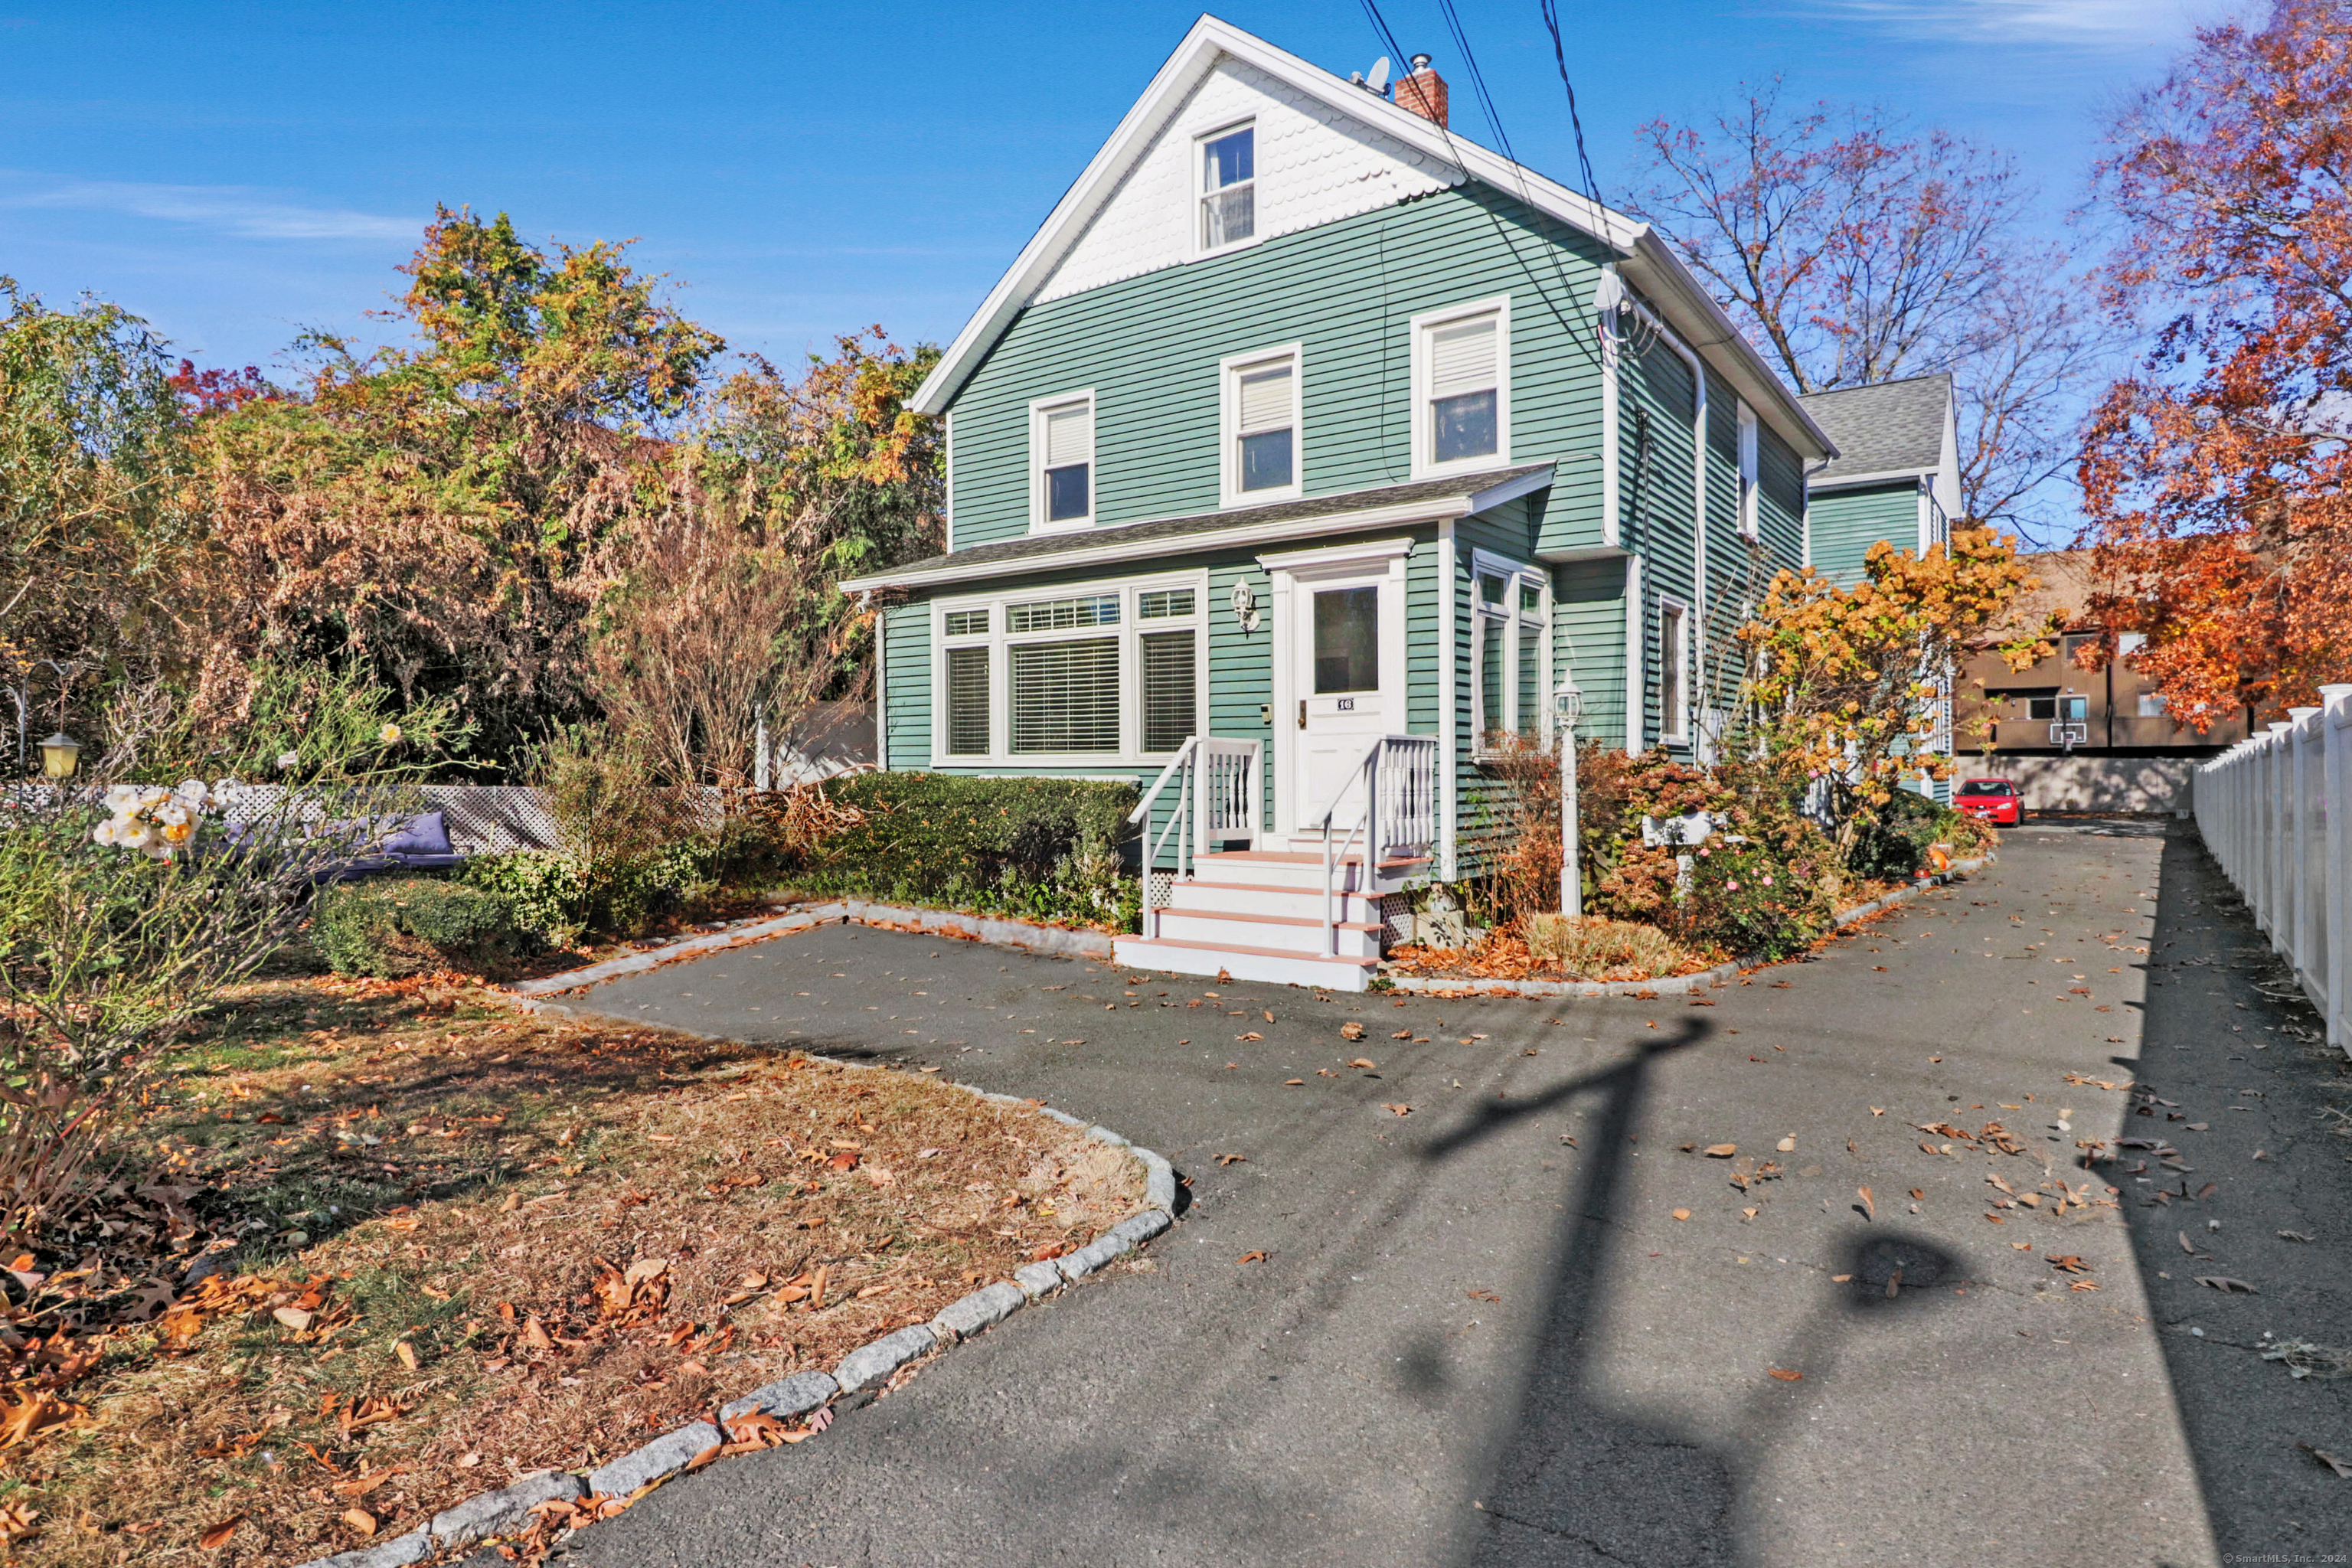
288,759
109,832
121,797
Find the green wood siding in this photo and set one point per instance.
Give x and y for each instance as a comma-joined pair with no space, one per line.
906,686
1656,403
1587,628
1149,348
1780,499
1846,523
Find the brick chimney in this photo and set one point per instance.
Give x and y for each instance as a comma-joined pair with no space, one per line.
1424,91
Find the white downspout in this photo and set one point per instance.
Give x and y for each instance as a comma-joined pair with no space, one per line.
1449,786
1634,733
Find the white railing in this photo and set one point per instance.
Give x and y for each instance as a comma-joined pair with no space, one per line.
1218,801
1396,815
2276,812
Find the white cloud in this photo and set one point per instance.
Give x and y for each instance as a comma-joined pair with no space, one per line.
2091,24
242,211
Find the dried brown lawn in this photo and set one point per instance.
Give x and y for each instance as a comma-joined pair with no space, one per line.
578,1238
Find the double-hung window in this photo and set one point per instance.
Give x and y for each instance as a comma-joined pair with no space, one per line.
1109,672
1061,461
1510,637
1228,187
1674,670
1462,391
1261,403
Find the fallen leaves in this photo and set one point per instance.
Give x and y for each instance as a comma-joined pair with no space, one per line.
2067,1263
1869,1206
1784,1374
1366,1063
359,1521
1293,1083
1232,1158
212,1537
1721,1151
1397,1109
1787,1145
1682,1213
1253,1034
2226,1285
2341,1466
1252,1256
1351,1030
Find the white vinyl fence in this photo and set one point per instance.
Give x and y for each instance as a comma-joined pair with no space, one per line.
2276,811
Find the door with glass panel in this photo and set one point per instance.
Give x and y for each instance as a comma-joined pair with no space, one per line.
1342,689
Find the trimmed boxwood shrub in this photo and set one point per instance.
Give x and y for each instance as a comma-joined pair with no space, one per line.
405,925
1042,847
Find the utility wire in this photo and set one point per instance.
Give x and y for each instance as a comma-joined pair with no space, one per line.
1559,58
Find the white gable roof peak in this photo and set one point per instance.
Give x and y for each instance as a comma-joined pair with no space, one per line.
1186,70
1400,151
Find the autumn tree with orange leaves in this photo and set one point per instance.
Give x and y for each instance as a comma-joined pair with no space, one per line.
2215,478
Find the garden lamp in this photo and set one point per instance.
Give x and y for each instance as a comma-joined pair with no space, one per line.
1568,706
59,754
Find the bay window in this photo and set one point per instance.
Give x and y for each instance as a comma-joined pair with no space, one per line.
1510,635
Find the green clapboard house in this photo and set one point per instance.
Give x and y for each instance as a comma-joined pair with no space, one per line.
1299,459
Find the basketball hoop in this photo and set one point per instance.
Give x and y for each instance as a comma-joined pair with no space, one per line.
2069,736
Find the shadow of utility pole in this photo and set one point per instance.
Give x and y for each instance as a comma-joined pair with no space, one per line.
1575,1480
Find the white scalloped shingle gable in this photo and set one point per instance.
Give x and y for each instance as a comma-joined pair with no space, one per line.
1315,166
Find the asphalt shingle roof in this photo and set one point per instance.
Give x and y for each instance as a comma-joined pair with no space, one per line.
1039,548
1890,427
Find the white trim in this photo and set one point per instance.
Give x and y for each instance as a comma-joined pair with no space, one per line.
947,453
1194,250
1433,510
1751,472
1230,370
1211,41
1925,501
1449,715
1669,604
1039,408
1612,457
1856,481
1516,626
1424,465
999,638
1636,651
882,689
1336,554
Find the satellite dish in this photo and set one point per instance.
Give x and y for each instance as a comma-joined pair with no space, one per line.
1378,77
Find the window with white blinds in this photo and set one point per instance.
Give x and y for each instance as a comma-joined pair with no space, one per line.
1260,402
1462,359
1171,689
1113,672
1062,447
1065,695
967,697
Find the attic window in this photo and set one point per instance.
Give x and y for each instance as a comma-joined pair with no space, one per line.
1228,187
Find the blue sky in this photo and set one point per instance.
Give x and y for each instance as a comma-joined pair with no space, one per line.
237,172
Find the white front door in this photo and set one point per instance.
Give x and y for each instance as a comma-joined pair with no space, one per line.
1344,693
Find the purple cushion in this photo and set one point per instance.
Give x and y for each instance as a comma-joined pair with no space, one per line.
423,834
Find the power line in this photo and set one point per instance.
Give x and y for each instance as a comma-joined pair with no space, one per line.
1560,59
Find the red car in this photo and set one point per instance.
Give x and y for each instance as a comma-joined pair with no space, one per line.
1991,800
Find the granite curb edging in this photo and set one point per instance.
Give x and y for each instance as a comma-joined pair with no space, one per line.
1664,984
1059,941
477,1518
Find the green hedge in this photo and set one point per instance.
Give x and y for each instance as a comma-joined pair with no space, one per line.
405,925
1041,847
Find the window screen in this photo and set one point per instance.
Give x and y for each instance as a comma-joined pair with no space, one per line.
1065,695
966,623
1169,690
968,701
1347,640
1462,382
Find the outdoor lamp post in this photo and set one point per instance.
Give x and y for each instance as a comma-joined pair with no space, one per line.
59,754
1568,706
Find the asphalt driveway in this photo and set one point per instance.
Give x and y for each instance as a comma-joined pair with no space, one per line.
1530,1321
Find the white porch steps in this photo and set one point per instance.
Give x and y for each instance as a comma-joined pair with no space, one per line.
1258,915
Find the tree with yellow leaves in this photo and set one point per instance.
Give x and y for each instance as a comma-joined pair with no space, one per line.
1848,684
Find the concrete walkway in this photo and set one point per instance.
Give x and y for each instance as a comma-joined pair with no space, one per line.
1485,1334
